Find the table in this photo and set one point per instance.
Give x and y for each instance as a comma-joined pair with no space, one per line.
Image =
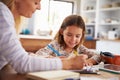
8,73
102,76
33,44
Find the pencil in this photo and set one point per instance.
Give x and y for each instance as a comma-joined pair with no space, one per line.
75,52
55,51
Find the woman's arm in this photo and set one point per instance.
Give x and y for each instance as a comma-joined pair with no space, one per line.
13,52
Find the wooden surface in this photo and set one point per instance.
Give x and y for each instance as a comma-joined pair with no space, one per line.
90,44
8,73
32,45
102,76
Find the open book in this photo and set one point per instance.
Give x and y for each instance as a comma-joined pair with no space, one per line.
53,75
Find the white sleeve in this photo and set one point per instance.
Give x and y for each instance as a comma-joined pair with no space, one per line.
13,52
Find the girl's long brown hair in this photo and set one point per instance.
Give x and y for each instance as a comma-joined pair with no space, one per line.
71,20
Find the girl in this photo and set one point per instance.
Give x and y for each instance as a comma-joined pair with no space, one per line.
68,41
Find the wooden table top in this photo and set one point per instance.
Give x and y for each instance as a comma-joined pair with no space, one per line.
102,76
10,74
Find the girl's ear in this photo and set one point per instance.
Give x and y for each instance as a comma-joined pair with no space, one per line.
61,31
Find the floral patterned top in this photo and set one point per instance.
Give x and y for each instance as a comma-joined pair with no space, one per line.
46,51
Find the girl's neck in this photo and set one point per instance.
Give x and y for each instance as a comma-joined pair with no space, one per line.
69,50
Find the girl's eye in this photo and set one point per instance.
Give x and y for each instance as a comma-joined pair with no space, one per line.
78,36
69,35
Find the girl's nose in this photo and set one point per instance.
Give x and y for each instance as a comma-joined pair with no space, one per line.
73,38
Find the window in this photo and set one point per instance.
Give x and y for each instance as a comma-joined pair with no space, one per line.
57,12
51,15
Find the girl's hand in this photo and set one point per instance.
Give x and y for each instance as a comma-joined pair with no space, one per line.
89,62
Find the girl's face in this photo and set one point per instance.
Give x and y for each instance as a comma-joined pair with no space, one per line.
27,7
72,36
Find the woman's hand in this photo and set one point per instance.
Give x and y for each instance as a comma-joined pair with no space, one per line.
73,62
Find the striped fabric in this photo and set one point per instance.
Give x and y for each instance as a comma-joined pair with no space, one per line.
13,53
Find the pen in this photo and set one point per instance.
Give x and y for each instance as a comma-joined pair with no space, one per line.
55,51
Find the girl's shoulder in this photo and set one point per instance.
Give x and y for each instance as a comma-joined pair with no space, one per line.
81,46
54,42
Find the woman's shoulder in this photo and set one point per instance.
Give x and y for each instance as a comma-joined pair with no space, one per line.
3,6
5,12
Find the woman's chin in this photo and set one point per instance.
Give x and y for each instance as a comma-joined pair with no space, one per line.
28,16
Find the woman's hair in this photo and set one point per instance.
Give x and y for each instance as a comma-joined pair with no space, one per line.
71,20
11,5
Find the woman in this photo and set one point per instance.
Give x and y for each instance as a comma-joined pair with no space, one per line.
11,50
